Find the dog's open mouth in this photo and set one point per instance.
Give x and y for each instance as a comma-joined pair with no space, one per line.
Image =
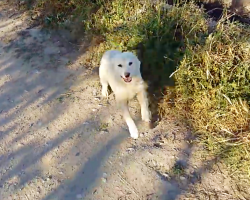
127,80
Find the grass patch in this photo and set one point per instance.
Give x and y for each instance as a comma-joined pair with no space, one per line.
213,92
210,71
212,89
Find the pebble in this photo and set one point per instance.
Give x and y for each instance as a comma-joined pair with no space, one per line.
39,123
79,196
166,175
182,178
145,134
36,71
130,149
103,132
77,154
104,180
94,109
94,92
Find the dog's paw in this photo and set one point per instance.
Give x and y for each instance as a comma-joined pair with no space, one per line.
134,133
146,119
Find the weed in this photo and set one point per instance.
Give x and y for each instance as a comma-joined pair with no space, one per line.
178,169
103,127
60,99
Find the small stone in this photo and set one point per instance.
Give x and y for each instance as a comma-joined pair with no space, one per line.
97,99
94,92
39,123
79,196
103,132
157,145
94,109
154,162
77,154
36,71
104,175
104,180
130,149
183,178
166,176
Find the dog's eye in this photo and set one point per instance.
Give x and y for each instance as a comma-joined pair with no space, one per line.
130,63
119,65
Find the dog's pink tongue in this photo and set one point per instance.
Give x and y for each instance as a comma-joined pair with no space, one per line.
128,79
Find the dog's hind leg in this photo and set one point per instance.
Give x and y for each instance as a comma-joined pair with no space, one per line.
143,100
130,122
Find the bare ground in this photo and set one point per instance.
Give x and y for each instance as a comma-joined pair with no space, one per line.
60,140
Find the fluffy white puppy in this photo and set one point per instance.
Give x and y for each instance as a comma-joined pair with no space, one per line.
122,72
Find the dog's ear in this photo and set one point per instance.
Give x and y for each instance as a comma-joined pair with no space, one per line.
138,61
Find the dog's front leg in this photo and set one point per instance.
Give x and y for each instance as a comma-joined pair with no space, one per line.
143,100
104,84
130,122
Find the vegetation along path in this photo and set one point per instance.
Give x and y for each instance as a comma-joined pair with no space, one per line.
60,140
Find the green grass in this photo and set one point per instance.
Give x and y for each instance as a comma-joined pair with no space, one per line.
213,91
210,71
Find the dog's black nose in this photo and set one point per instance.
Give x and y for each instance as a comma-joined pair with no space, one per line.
127,74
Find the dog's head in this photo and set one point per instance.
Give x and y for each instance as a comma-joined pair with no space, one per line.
127,65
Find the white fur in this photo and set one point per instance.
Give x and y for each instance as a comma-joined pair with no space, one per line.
112,74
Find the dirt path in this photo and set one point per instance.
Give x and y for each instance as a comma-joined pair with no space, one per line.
60,140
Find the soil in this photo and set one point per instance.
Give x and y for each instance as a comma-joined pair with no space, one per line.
60,140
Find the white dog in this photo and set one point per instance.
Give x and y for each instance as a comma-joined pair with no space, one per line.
122,72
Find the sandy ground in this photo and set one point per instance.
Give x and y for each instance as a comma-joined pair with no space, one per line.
60,140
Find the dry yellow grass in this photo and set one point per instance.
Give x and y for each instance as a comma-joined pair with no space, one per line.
213,92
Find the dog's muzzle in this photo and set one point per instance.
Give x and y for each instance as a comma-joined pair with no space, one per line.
127,77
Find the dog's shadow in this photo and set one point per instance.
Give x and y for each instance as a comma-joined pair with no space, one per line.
158,62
